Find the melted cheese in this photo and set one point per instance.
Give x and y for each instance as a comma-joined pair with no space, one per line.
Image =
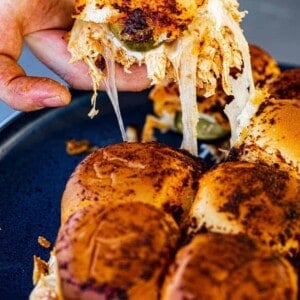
81,45
207,51
111,89
185,65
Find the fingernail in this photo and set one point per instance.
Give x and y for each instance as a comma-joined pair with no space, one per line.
52,101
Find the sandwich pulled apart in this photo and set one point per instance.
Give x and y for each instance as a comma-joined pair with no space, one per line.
193,43
147,221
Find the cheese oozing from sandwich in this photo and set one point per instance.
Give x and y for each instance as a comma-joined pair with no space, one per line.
193,43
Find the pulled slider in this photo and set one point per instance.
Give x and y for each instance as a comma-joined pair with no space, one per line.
193,43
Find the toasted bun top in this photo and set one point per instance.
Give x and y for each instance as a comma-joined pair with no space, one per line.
116,251
260,201
286,85
273,135
215,266
163,18
127,172
264,67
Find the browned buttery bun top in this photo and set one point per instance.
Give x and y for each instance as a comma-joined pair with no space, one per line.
260,201
128,172
272,136
215,266
142,20
286,85
264,67
116,251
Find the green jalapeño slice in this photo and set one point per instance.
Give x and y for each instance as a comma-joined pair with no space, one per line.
207,128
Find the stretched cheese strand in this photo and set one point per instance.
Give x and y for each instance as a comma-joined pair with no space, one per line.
83,46
184,59
240,110
242,87
111,89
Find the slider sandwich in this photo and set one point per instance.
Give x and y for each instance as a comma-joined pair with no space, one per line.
197,44
260,201
127,172
116,251
272,135
121,213
225,266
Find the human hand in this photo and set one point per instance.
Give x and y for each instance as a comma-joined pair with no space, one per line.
42,25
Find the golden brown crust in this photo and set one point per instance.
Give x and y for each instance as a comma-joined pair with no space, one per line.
215,266
118,251
157,17
286,85
260,201
265,69
273,135
128,172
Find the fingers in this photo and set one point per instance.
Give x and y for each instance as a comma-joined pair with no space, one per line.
135,81
51,48
17,90
32,93
28,93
